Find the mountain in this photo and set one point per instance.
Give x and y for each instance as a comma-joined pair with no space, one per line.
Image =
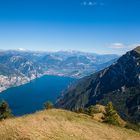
74,64
16,69
61,125
119,83
19,67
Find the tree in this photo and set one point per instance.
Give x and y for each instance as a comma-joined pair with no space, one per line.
5,111
90,110
48,105
111,115
80,110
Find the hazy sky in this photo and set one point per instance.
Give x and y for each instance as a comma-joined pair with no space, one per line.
102,26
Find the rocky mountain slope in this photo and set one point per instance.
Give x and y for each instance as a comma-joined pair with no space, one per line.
119,83
19,67
16,70
61,125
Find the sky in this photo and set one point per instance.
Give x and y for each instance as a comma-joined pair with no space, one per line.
98,26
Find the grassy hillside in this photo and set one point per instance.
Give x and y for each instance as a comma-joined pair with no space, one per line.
61,125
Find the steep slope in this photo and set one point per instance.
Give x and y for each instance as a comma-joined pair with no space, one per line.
119,83
16,69
61,125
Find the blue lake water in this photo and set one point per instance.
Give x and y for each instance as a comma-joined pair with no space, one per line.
30,97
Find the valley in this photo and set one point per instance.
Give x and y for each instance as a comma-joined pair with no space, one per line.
20,67
56,80
69,70
29,98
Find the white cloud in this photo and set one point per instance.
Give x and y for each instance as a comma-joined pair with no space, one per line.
123,47
92,3
117,46
84,3
89,3
21,49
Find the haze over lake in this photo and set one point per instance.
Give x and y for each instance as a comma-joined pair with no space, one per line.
30,97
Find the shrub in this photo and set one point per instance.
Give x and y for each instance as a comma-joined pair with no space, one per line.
91,110
80,110
132,126
48,105
5,111
111,115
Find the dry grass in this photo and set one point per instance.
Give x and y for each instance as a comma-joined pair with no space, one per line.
61,125
137,49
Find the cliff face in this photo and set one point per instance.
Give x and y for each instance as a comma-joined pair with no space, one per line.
119,83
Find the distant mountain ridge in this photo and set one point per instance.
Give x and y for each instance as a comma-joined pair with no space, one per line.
119,83
19,67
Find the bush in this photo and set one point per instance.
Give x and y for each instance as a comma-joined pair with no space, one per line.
48,105
111,115
5,111
80,110
91,110
132,126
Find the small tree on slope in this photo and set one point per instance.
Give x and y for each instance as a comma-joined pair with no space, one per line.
5,111
48,105
111,115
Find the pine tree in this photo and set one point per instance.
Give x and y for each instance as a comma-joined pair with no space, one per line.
48,105
80,110
111,115
5,111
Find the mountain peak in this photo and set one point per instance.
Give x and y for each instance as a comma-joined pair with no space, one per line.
137,49
119,83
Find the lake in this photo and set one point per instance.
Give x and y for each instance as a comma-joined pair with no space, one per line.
29,98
